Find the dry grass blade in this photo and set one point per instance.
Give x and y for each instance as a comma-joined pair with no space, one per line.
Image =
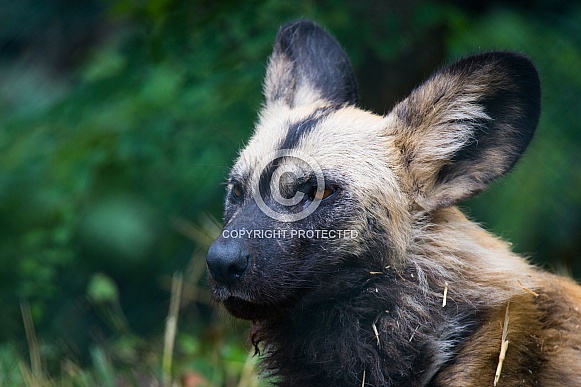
445,294
363,382
203,233
527,289
248,378
414,333
27,377
33,348
503,346
171,328
376,333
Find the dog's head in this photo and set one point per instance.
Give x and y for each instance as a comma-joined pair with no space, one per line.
325,192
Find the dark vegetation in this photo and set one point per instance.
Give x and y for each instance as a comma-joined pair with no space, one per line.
119,120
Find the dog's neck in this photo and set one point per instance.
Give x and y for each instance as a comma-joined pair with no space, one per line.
403,332
397,343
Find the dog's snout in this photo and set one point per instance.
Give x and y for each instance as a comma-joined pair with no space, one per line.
227,261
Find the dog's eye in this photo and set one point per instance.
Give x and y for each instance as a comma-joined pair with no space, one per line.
324,194
236,191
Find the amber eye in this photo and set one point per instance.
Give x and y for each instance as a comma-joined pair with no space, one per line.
328,191
236,191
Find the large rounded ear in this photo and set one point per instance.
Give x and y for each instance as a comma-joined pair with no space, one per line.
466,126
308,65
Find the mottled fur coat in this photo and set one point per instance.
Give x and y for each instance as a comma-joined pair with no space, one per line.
342,243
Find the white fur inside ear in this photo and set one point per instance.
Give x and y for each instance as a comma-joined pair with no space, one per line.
306,95
281,85
465,126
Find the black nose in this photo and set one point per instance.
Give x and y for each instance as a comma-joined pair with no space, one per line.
226,261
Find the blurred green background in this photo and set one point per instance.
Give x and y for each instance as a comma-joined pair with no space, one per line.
119,120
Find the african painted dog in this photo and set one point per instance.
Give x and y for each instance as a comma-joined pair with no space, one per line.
342,243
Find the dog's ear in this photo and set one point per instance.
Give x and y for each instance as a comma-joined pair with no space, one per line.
466,126
308,65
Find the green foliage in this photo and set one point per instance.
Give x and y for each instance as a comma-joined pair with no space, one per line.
111,159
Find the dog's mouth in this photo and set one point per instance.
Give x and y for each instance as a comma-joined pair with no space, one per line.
247,310
240,304
252,300
243,307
